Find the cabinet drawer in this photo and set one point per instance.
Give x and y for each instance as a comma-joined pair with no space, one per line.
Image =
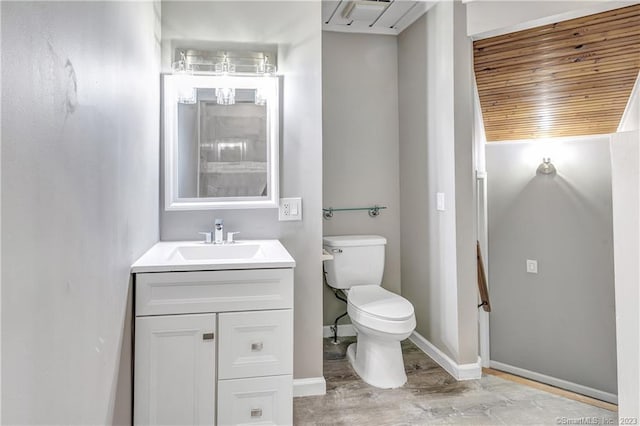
263,400
255,344
213,291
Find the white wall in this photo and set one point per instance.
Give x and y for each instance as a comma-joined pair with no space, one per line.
295,28
438,255
79,203
625,160
631,118
548,322
489,18
360,144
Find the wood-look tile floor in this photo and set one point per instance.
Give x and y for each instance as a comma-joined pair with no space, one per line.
432,396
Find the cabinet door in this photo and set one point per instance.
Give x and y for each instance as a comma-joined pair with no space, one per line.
175,370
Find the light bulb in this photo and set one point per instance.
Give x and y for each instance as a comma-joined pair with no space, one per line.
225,96
546,168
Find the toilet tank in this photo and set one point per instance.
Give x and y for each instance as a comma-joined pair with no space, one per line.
357,260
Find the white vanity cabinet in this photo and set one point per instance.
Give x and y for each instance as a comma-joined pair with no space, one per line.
214,347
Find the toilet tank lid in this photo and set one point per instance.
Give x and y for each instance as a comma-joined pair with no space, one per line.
353,240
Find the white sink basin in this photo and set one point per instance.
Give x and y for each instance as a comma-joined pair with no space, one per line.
168,256
218,252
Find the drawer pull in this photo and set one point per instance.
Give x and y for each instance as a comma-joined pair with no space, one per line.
256,347
256,412
207,336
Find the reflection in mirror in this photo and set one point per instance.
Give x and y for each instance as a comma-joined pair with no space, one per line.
222,149
221,142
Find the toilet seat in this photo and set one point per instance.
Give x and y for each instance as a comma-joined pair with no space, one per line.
378,309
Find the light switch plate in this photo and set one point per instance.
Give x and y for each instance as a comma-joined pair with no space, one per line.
290,209
440,201
532,266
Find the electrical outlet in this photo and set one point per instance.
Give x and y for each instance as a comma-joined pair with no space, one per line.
532,266
290,209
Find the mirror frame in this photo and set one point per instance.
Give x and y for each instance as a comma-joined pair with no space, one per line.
171,85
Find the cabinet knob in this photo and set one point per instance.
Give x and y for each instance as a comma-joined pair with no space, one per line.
207,336
256,412
256,347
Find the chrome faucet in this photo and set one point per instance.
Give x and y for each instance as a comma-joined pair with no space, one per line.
218,232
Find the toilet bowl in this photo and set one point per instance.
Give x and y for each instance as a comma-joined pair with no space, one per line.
382,319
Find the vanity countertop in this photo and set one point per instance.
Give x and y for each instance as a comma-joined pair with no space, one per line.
175,256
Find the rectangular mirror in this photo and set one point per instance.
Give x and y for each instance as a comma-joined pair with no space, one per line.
221,142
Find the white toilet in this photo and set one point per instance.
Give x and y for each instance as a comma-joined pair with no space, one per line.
382,319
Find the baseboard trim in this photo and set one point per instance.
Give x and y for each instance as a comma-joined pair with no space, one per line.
309,387
553,381
344,330
457,371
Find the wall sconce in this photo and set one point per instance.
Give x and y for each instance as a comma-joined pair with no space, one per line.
546,167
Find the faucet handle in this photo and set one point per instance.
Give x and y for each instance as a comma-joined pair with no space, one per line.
208,237
230,235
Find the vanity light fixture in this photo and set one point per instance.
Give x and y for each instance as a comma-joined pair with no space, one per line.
181,66
546,167
225,67
185,93
260,98
225,95
267,70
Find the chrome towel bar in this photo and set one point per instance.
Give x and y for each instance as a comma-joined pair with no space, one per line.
373,211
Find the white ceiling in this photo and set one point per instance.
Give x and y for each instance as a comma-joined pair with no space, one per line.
393,19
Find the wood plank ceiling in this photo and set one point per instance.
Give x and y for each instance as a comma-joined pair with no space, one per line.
565,79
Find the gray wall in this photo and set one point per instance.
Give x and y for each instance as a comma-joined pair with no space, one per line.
436,155
294,27
561,321
417,202
625,180
79,203
465,188
360,144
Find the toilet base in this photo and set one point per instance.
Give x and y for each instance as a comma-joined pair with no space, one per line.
378,362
